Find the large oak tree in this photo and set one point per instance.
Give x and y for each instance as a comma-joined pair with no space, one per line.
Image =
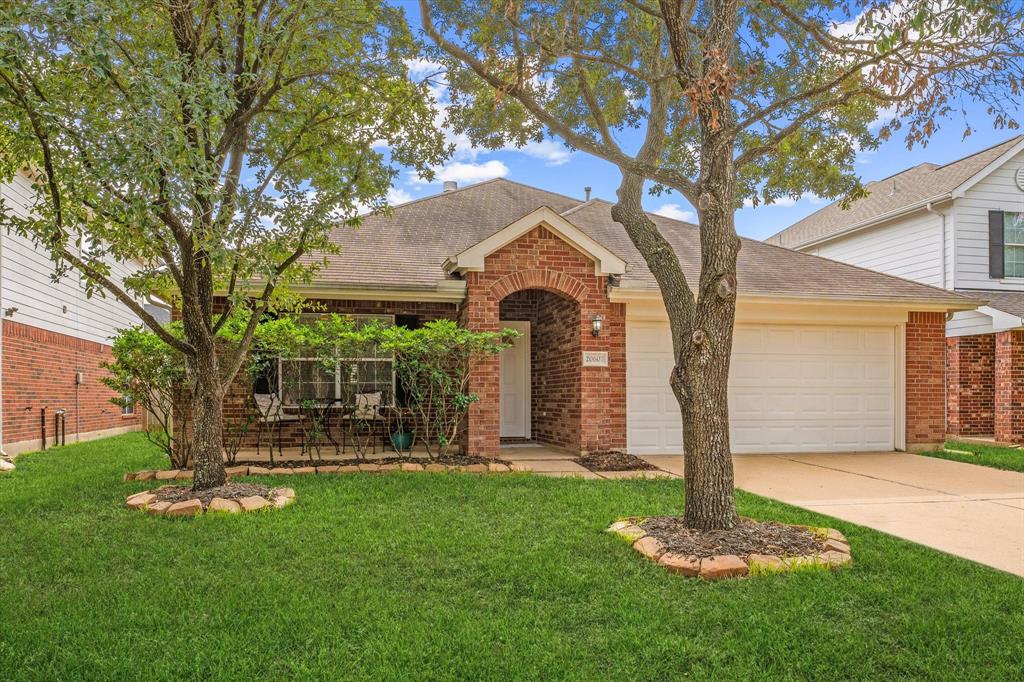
214,142
720,101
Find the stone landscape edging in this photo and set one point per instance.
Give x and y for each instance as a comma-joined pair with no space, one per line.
835,554
147,501
366,467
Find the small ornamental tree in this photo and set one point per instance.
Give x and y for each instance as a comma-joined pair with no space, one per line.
721,101
213,144
434,364
147,373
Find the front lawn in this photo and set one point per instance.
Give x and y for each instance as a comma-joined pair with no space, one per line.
985,455
444,576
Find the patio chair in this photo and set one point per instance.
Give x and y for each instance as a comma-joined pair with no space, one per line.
364,419
271,413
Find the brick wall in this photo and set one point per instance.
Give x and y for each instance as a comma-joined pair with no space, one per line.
970,385
554,363
925,389
542,260
39,370
1009,386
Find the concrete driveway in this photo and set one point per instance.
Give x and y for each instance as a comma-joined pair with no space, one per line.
963,509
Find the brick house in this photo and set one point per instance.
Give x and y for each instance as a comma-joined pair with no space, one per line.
53,339
827,357
958,226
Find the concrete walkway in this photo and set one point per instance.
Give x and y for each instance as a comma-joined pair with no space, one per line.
549,462
971,511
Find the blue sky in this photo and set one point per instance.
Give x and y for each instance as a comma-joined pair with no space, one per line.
551,165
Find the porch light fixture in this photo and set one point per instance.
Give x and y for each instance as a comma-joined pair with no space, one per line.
597,321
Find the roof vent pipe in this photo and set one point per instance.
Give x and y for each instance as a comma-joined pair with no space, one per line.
892,192
450,185
586,191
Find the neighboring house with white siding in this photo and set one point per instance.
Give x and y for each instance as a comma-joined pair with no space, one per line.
958,226
54,338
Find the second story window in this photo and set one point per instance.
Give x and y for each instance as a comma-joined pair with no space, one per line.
1013,244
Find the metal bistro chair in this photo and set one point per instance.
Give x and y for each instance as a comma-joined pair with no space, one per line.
271,414
363,421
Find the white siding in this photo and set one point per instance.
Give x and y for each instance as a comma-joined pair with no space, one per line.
910,248
25,278
997,191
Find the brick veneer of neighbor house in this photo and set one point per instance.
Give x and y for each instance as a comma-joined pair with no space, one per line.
970,385
555,363
291,432
39,370
925,378
540,259
1009,386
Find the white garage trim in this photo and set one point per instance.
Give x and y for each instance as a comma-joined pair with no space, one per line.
856,420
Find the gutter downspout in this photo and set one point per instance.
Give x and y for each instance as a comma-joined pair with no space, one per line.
945,364
2,453
942,216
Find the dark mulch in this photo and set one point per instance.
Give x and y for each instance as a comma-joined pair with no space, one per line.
747,537
613,460
451,460
231,491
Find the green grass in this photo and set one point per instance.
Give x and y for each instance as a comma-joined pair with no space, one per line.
985,455
415,576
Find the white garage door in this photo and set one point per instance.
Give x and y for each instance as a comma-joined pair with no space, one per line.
791,389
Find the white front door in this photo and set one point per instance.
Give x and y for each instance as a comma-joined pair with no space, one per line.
515,384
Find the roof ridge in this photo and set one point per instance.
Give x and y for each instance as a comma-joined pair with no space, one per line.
1015,138
445,193
533,187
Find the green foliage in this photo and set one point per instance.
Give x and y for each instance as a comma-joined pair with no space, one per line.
791,90
434,364
245,131
146,372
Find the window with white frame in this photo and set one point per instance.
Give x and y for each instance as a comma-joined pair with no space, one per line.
127,407
308,378
1013,244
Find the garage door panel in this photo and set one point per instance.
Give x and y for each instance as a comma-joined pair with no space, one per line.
791,389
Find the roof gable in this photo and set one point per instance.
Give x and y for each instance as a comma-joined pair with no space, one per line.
472,258
897,195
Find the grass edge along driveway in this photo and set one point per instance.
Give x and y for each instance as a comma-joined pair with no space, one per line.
994,456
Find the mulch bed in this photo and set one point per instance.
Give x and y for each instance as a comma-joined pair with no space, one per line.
747,537
231,491
613,460
448,460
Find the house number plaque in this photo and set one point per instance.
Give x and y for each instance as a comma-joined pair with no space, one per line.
595,358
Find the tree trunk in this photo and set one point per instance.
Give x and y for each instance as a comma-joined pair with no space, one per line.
207,420
700,383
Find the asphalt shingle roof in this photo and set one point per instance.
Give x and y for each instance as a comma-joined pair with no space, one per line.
902,190
409,247
1011,302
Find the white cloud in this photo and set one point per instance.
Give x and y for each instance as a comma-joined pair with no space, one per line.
464,172
676,212
551,152
422,68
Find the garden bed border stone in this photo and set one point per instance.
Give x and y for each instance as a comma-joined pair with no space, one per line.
835,553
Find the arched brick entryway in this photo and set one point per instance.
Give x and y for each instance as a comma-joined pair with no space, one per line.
552,391
541,260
